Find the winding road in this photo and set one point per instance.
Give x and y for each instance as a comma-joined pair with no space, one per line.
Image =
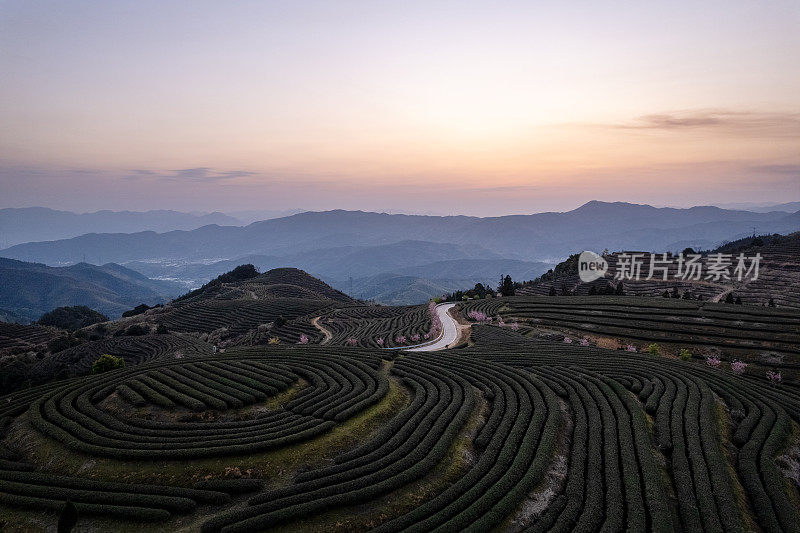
449,330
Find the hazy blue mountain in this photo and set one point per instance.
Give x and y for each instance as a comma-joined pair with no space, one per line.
30,289
393,289
788,207
341,263
254,215
30,224
539,237
477,269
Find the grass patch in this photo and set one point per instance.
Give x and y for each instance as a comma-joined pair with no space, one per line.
276,466
358,518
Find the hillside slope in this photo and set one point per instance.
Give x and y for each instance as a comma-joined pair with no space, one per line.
30,289
778,279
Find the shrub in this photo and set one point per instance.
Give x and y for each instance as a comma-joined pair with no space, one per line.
653,349
774,377
729,298
72,318
138,310
738,367
136,330
107,362
61,343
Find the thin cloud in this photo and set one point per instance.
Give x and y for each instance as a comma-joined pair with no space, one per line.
723,121
197,174
790,169
207,174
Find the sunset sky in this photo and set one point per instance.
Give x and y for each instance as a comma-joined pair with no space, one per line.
482,108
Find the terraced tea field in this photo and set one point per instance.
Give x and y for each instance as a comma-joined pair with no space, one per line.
517,430
770,336
511,433
379,326
778,277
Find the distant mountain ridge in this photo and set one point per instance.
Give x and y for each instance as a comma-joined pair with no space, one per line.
33,224
28,290
424,254
538,237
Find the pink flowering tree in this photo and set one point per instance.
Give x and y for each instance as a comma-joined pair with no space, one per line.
774,378
514,326
480,317
415,337
436,322
303,339
630,348
713,361
567,340
400,339
738,367
379,341
584,342
352,341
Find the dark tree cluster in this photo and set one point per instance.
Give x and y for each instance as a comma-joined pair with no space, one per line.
139,309
480,291
506,286
72,318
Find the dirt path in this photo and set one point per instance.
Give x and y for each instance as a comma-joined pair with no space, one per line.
328,335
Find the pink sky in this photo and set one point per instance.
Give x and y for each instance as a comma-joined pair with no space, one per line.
446,107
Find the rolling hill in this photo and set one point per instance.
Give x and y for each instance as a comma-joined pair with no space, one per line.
778,279
30,289
31,224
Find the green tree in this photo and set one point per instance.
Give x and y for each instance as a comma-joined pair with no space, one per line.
506,287
107,362
653,349
685,354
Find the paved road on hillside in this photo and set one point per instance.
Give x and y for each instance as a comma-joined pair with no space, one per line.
448,325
